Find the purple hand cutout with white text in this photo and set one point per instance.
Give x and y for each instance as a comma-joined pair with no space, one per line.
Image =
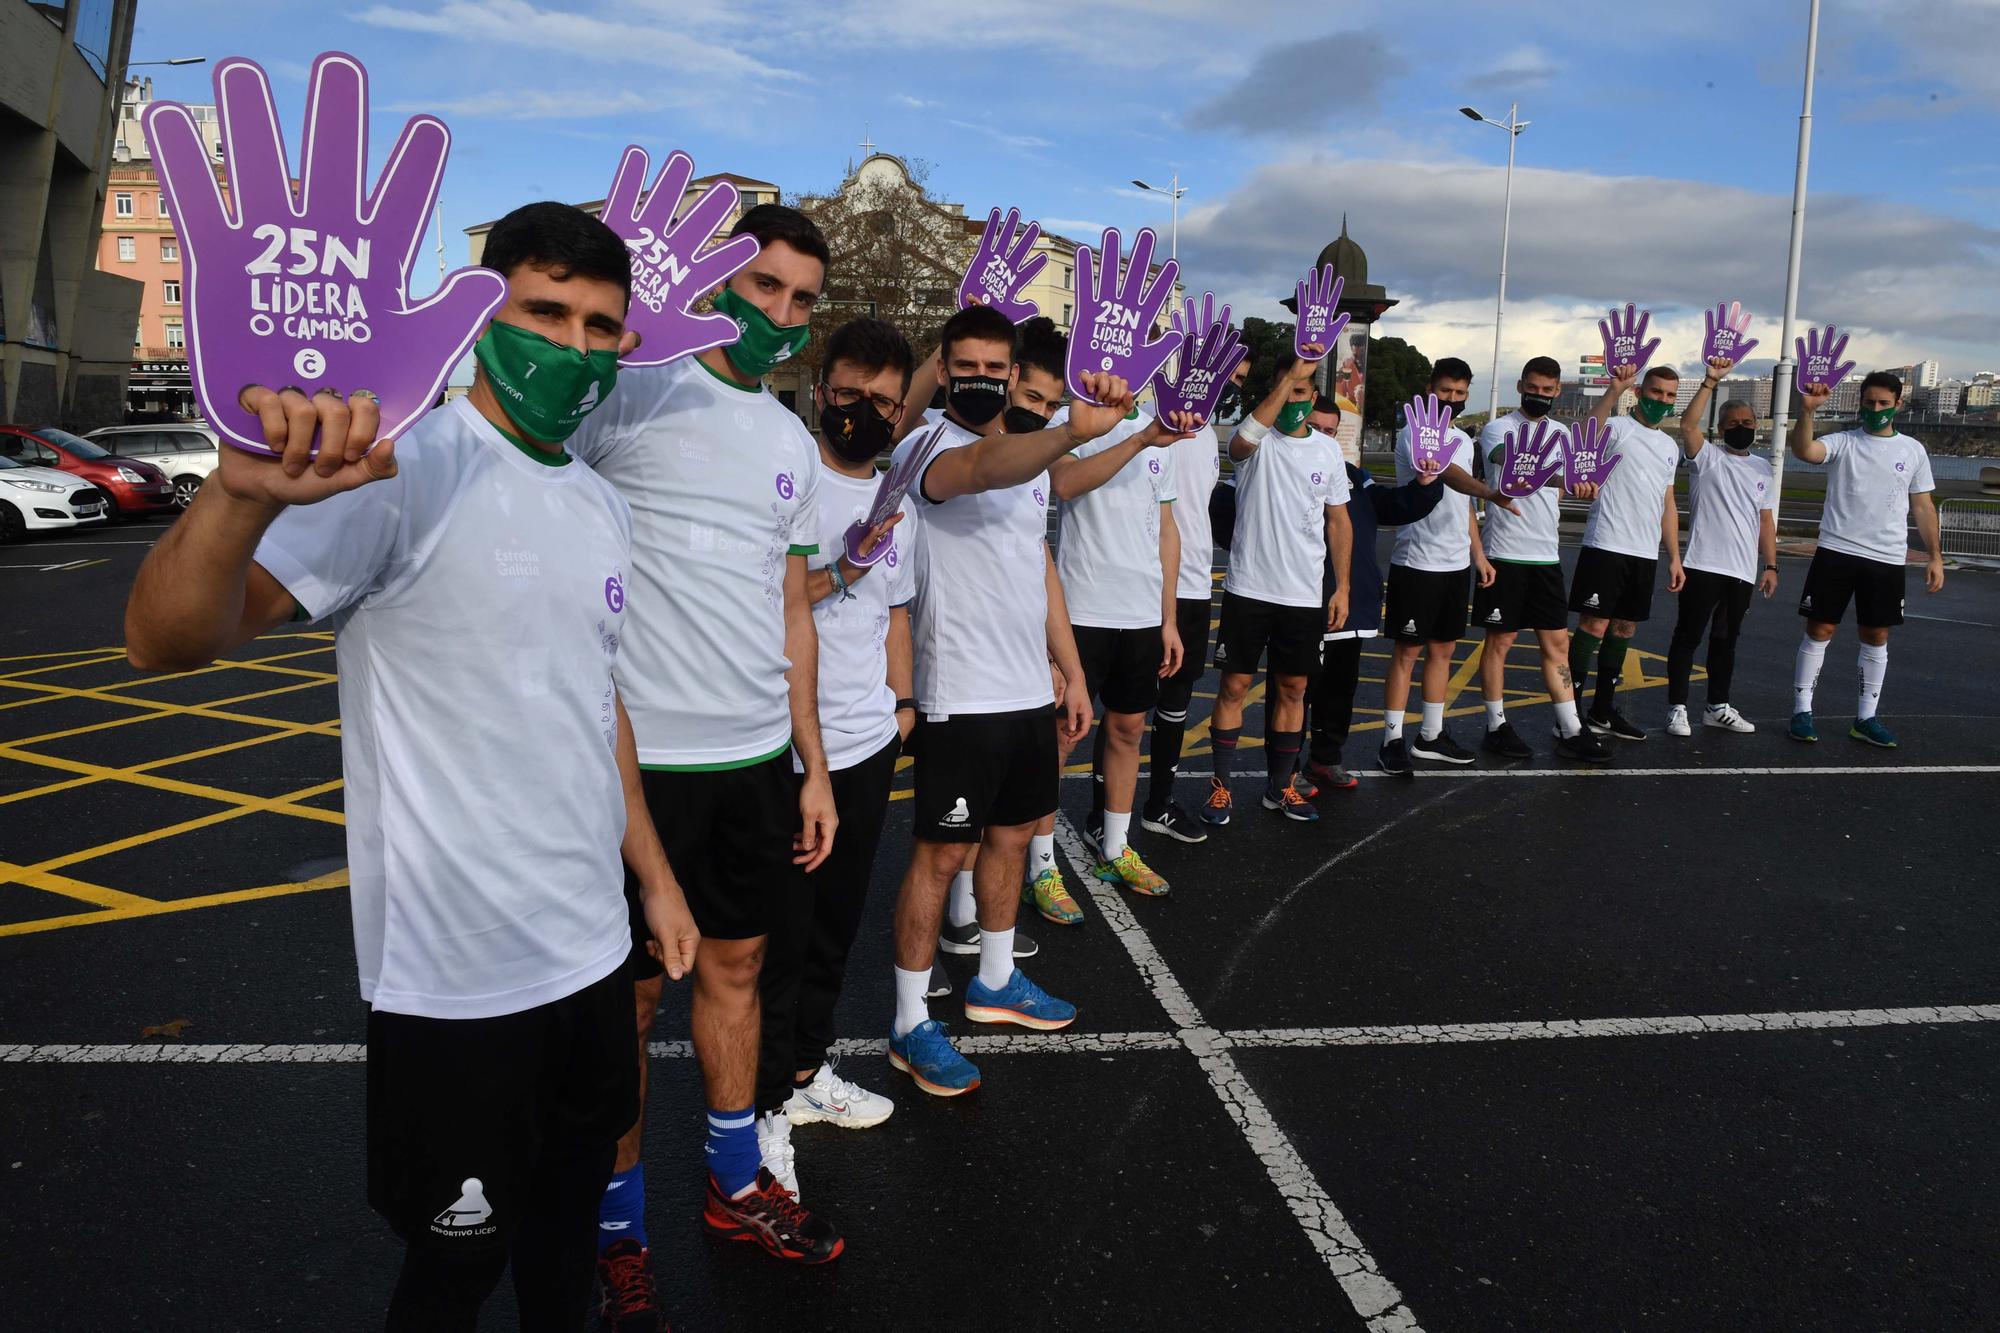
1114,330
1726,333
1624,343
1003,266
1433,444
671,270
1527,463
1205,364
1820,366
1318,299
1584,463
310,288
895,484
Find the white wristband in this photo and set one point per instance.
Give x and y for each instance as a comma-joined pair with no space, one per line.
1252,430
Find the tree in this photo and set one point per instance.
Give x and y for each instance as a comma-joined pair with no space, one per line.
1397,372
1270,353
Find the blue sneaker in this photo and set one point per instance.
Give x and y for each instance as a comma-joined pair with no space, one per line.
1019,1001
1802,728
1870,729
927,1055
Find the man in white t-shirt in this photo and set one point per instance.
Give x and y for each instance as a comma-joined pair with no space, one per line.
1877,479
1732,529
1291,515
475,577
1631,515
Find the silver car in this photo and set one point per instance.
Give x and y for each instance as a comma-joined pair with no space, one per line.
187,451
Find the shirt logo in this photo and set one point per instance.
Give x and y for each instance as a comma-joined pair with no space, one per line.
1153,464
1318,477
892,557
1038,497
1901,466
785,486
614,593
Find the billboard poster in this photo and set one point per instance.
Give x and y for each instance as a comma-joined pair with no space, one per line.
1344,376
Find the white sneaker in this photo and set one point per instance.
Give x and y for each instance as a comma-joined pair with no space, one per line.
1677,720
1727,718
831,1098
774,1144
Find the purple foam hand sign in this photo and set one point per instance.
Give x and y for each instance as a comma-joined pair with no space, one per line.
1319,323
1624,341
895,484
671,266
1527,463
1003,265
1820,366
1432,443
1584,463
1725,332
1114,331
309,288
1206,362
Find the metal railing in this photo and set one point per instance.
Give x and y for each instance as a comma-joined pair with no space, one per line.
1969,528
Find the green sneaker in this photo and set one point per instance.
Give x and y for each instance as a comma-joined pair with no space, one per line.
1047,894
1127,869
1803,729
1871,730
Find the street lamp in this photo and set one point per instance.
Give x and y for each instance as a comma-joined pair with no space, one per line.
177,60
1513,126
1174,193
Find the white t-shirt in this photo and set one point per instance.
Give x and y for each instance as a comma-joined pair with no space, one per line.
1626,515
1197,466
476,600
1869,482
1442,539
1728,494
1532,536
1283,490
857,709
1109,553
979,624
722,481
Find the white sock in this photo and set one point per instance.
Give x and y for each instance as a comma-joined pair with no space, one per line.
961,910
1874,662
911,1007
1117,829
1496,714
1567,721
1805,672
996,957
1433,721
1392,724
1041,853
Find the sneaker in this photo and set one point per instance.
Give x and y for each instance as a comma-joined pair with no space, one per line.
1291,805
927,1055
774,1146
832,1100
1025,947
1677,721
1128,871
1303,784
961,940
1019,1001
1506,742
1047,894
940,982
1331,777
629,1304
1175,822
1394,758
1803,729
1727,719
1616,725
1093,831
771,1217
1441,748
1871,730
1582,747
1215,810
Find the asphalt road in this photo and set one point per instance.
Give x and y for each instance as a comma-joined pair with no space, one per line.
1709,1040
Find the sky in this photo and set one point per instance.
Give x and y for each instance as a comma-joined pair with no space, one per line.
1657,169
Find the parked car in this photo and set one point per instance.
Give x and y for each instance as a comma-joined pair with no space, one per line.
33,499
135,487
187,451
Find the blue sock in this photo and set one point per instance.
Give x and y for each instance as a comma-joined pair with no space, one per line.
733,1158
622,1214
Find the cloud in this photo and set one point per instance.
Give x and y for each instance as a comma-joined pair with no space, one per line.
1017,142
1075,228
1520,69
1297,85
537,105
1939,42
914,103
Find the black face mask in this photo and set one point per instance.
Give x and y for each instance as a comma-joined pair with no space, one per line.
1231,399
976,399
1739,438
1021,421
1534,405
856,433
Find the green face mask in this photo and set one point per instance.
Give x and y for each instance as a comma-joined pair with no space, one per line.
1293,415
544,388
761,345
1878,420
1652,411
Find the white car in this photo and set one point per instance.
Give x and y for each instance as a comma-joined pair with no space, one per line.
187,451
33,499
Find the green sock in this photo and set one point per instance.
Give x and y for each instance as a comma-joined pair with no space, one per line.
1582,648
1608,668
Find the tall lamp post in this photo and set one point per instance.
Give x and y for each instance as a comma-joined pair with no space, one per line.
1513,125
1781,374
1174,193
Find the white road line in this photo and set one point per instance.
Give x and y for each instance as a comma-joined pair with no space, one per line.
1436,1034
1374,1297
1947,620
1802,770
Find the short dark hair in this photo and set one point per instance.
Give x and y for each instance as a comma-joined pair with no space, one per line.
1039,345
1660,372
1542,365
1450,368
561,239
1882,379
980,322
1323,403
870,346
775,222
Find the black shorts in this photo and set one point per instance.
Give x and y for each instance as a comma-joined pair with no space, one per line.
1191,616
979,770
1522,597
1293,634
1426,605
1612,584
464,1114
1837,577
728,836
1120,666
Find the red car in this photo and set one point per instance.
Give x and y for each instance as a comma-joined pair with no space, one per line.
134,487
